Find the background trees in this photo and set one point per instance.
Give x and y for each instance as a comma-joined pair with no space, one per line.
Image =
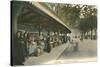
81,17
89,19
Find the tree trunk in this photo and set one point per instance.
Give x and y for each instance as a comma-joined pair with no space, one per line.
95,33
91,34
84,34
87,35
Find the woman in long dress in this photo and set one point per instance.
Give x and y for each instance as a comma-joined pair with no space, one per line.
19,49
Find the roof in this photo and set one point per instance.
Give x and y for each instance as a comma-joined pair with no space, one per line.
45,9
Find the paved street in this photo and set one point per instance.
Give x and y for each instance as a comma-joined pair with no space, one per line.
46,58
87,52
61,54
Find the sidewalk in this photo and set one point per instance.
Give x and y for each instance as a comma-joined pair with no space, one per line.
45,58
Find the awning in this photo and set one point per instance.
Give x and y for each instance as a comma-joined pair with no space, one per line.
38,14
44,8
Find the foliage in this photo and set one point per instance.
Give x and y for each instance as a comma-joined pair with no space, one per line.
82,17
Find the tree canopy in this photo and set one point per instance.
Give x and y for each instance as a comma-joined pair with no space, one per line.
81,17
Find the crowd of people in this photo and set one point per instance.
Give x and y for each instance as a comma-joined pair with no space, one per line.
26,44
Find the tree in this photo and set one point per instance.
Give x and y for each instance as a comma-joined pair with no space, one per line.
83,26
82,17
89,14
